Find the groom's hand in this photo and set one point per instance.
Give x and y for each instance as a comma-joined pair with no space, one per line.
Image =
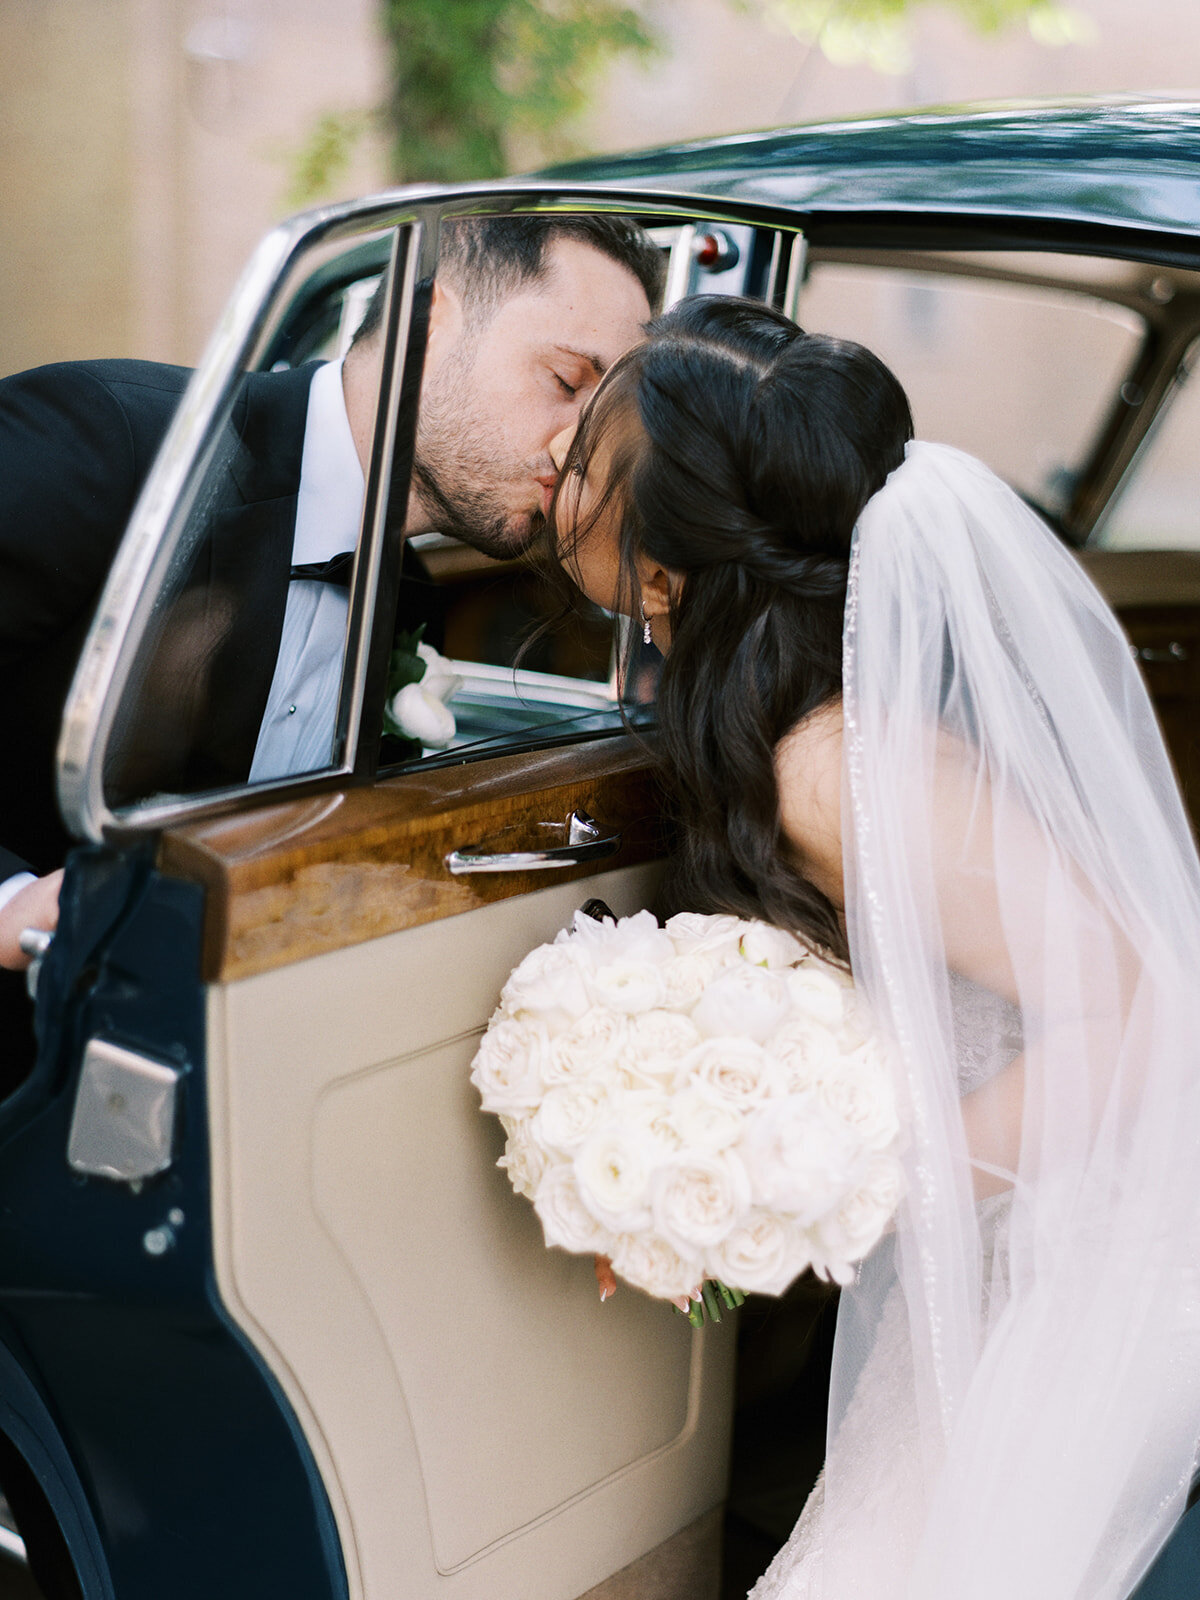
34,906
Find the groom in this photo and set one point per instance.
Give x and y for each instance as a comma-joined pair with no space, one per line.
526,315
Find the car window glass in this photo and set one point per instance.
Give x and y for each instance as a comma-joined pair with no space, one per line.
975,359
523,668
1158,507
251,665
240,664
512,668
210,702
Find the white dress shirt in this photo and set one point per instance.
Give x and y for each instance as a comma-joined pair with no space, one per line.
301,712
14,885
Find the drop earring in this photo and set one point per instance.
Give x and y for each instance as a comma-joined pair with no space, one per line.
646,639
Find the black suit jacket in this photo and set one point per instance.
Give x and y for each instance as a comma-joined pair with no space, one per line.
76,443
77,440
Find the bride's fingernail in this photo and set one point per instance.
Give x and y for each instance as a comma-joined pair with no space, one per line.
604,1294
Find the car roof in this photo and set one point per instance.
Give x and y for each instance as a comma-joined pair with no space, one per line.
1129,160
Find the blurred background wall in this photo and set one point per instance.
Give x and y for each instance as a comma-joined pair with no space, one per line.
145,145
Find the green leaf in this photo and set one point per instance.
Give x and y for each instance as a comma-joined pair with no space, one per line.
405,666
877,32
468,78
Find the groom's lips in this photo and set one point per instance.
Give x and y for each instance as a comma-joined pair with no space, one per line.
547,496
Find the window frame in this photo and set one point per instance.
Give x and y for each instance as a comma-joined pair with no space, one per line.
243,337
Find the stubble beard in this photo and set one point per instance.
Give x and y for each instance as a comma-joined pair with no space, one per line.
458,473
469,513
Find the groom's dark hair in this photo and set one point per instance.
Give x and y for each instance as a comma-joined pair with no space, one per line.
490,258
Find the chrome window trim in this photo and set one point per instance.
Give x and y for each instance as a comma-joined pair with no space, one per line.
420,257
155,528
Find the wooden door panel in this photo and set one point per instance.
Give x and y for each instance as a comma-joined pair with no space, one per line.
289,881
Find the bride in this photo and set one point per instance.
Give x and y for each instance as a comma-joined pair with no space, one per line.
895,717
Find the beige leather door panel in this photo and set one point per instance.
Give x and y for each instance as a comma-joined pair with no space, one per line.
484,1426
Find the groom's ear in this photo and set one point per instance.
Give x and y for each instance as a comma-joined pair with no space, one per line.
446,320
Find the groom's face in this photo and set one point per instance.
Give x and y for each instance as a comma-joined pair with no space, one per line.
500,384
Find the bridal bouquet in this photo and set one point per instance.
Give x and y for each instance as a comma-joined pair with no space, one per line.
700,1101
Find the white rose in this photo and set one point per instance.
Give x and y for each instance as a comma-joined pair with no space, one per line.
508,1066
547,984
698,1198
802,1160
626,986
523,1160
685,979
422,716
695,933
761,1255
648,1112
633,941
743,1001
817,990
658,1041
613,1169
565,1219
704,1120
860,1094
857,1023
569,1112
597,1039
808,1050
737,1071
853,1230
650,1263
440,679
765,946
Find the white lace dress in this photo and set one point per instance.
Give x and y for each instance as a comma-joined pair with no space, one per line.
878,1437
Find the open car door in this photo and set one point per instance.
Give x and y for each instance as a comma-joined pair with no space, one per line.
271,1320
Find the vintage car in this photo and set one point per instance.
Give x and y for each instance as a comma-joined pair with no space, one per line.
271,1321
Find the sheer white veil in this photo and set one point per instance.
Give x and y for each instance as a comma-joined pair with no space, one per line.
1023,908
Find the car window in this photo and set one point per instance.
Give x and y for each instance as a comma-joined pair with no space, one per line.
197,713
266,609
227,648
1158,506
1020,374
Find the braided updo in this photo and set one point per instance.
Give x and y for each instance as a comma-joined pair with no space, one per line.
755,449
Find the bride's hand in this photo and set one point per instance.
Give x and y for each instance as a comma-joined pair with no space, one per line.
605,1277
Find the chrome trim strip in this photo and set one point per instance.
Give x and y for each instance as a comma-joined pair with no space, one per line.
12,1544
795,277
679,269
367,575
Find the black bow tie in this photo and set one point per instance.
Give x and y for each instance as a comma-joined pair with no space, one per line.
336,570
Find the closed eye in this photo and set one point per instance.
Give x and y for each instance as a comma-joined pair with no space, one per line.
569,389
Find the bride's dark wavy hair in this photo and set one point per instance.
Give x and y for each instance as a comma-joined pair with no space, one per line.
743,451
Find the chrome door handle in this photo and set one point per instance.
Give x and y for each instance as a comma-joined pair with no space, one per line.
585,840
